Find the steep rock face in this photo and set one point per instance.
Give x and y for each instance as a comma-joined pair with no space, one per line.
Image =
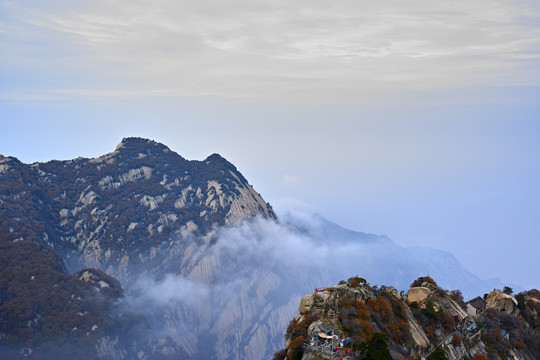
418,335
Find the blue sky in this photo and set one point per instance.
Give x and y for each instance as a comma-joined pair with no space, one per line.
419,120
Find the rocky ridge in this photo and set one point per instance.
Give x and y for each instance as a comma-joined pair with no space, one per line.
119,208
426,322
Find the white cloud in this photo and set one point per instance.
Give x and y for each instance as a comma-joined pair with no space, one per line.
315,49
170,288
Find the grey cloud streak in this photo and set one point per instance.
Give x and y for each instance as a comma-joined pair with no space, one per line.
320,48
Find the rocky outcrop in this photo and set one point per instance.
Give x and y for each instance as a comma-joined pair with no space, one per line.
436,320
499,301
320,298
306,304
418,294
101,282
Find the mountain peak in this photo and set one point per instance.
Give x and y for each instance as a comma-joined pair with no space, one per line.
215,157
138,143
218,160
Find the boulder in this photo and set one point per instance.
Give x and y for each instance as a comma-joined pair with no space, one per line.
502,302
418,294
306,304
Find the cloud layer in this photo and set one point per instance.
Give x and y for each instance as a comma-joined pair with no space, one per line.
245,286
303,49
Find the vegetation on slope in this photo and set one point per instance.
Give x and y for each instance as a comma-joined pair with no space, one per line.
426,322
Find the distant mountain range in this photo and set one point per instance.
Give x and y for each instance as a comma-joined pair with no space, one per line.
170,258
384,262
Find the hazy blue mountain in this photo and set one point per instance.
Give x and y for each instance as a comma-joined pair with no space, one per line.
384,262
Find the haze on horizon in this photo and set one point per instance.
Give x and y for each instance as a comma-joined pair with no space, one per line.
419,120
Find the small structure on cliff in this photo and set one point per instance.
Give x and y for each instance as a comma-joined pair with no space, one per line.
476,306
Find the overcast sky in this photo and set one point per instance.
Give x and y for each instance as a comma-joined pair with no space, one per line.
416,119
